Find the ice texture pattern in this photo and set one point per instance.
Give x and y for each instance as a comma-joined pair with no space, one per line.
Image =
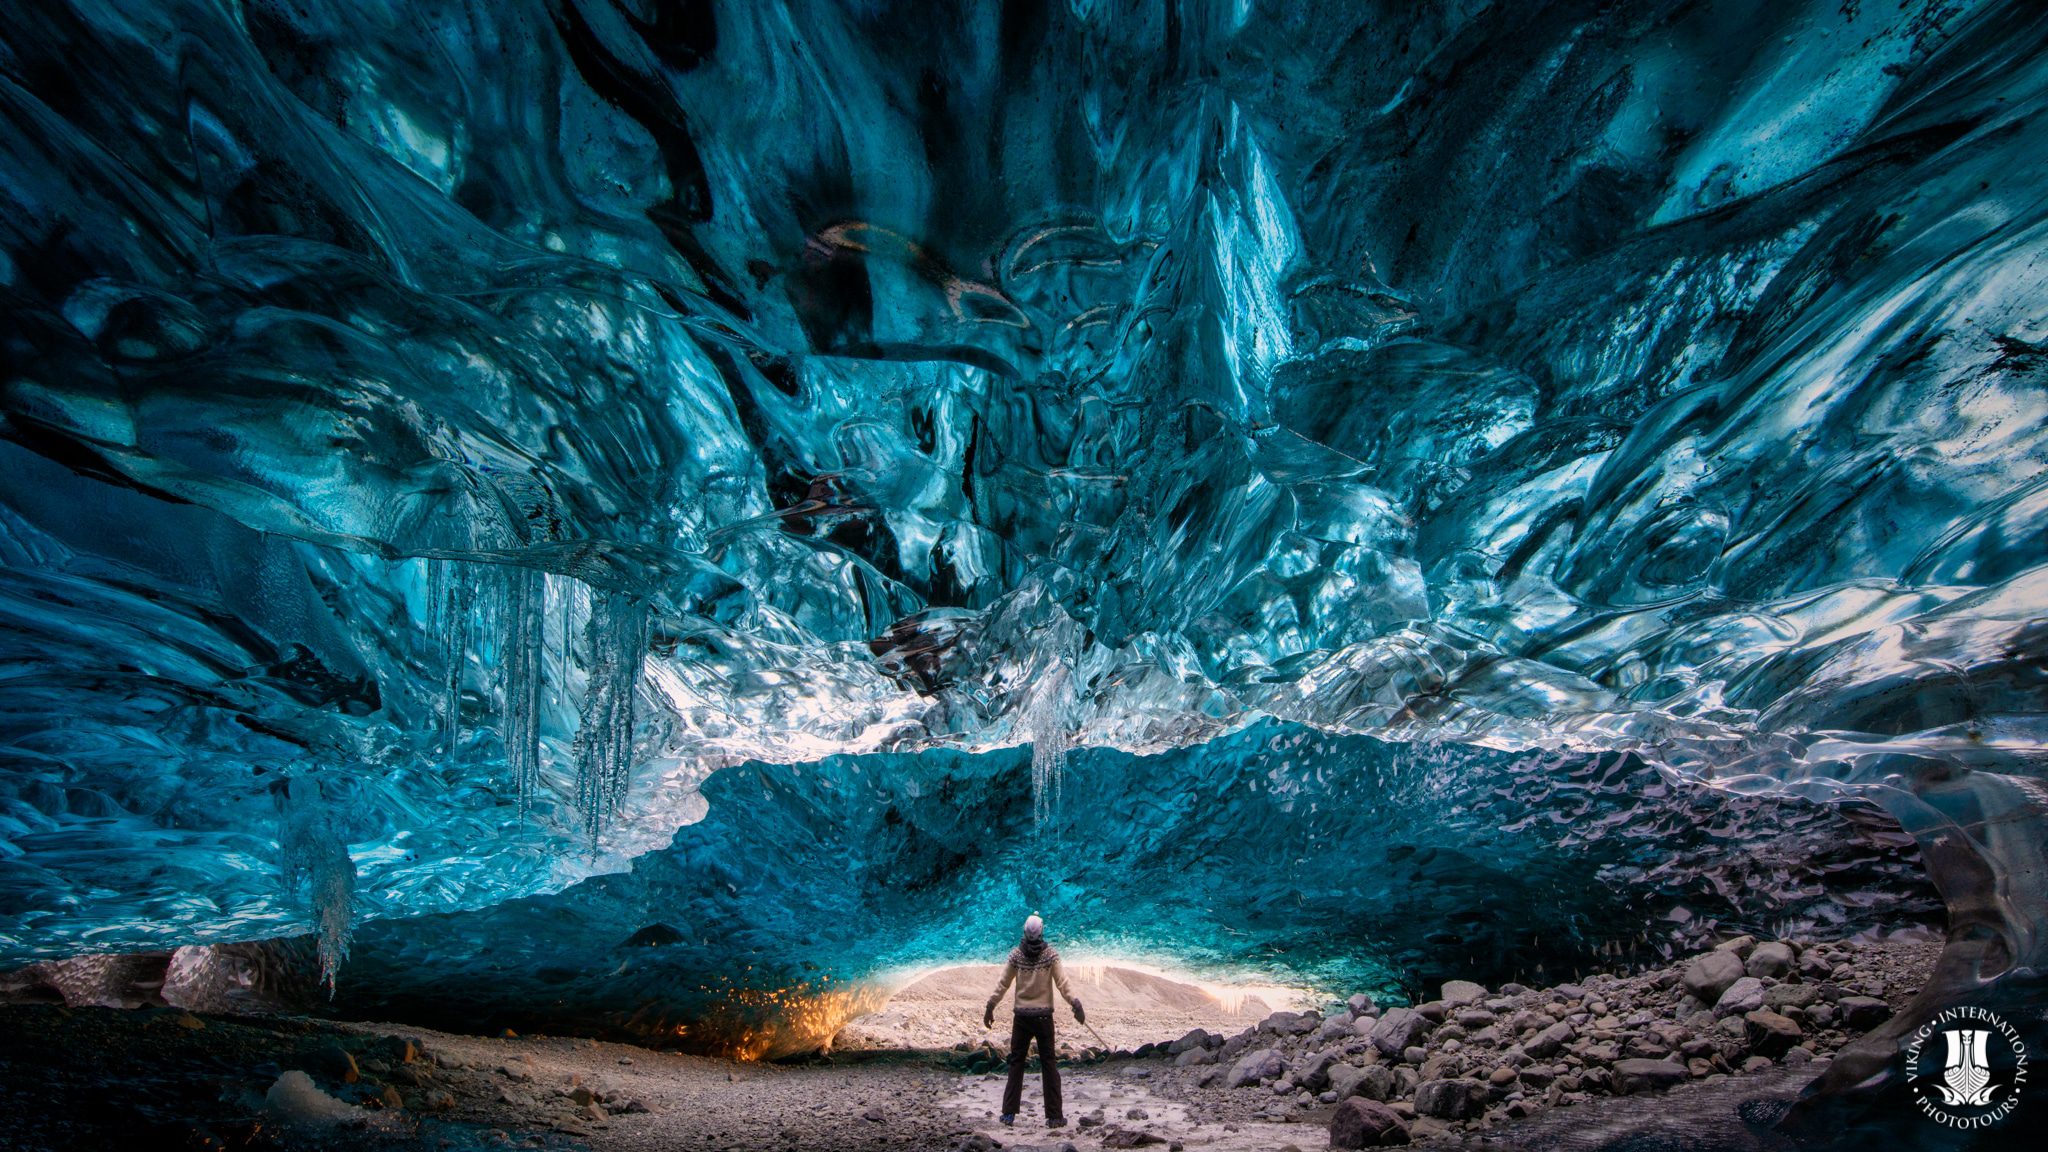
449,433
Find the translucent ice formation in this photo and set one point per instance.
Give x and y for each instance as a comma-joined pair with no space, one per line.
484,422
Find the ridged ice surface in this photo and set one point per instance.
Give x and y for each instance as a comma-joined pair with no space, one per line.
438,437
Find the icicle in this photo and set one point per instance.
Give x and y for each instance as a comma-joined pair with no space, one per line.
1050,742
452,587
617,637
314,857
521,673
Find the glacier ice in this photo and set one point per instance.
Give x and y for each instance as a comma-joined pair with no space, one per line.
448,434
809,891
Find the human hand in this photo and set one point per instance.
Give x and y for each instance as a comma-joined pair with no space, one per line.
988,1017
1080,1014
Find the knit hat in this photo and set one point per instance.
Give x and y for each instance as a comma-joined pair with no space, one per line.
1034,928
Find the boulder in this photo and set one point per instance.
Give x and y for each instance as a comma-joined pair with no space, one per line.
1770,1034
1360,1123
1861,1013
1336,1027
1374,1081
1360,1004
1450,1099
1314,1073
1463,992
1194,1057
1399,1029
1710,975
1289,1023
1199,1038
1252,1067
1645,1075
1774,960
1745,995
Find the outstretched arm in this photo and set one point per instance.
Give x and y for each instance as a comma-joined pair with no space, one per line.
988,1016
1059,981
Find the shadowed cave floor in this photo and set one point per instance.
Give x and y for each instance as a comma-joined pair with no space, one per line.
165,1078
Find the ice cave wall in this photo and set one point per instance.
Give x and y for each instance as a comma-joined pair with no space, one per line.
439,436
1273,853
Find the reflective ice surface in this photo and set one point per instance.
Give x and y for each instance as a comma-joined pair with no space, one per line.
438,437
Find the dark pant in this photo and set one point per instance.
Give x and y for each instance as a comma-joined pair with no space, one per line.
1023,1030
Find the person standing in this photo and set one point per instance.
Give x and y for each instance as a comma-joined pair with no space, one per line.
1035,969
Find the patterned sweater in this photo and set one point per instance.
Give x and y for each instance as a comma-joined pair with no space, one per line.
1036,974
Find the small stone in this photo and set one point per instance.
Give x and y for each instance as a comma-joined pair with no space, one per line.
1774,960
1361,1123
1458,1099
1289,1023
1745,995
1646,1075
1474,1019
1462,992
1502,1076
1739,946
390,1098
333,1062
1397,1030
1782,996
1770,1034
1708,976
1252,1067
1360,1004
439,1101
1861,1013
1549,1040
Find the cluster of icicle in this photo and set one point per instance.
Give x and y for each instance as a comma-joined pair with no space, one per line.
493,623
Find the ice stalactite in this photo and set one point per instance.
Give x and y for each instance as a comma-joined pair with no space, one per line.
520,673
617,637
452,589
314,858
1050,742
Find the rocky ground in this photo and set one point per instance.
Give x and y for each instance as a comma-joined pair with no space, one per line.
1502,1068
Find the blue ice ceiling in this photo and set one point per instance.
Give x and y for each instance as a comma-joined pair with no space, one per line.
438,437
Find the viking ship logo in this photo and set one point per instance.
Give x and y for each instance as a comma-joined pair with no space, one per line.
1967,1081
1982,1067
